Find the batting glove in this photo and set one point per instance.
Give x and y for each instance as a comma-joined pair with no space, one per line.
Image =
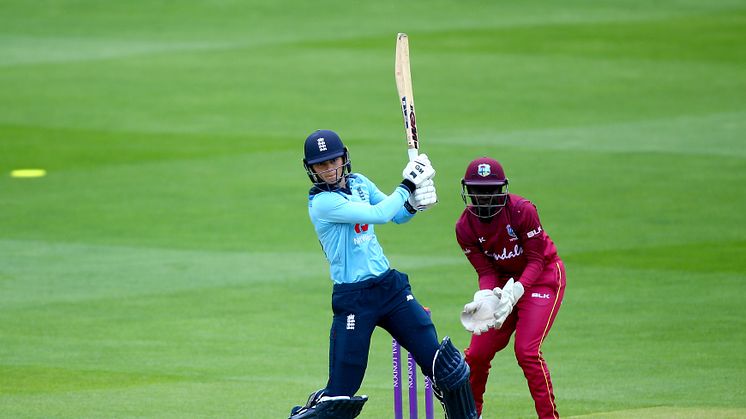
424,197
419,170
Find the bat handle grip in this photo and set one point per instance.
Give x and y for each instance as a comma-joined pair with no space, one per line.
413,153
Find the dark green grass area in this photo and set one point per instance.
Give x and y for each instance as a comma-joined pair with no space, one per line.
165,265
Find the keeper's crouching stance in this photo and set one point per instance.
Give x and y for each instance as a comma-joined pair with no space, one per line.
344,208
521,281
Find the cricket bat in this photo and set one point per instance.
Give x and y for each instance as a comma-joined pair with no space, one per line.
404,86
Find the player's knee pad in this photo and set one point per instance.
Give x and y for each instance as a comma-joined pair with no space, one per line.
451,382
320,406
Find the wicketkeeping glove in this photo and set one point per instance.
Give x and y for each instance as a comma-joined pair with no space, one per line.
478,315
424,197
508,296
419,170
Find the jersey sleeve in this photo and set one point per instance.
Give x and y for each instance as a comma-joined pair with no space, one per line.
486,272
335,208
377,196
403,216
534,242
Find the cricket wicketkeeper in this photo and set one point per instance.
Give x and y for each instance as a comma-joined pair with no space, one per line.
521,281
344,208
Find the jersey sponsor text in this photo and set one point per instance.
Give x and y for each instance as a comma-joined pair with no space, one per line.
362,239
517,251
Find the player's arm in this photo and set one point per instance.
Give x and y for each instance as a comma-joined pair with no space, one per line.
335,208
475,254
534,243
405,213
533,239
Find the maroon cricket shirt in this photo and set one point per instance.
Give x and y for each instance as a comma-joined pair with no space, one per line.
510,245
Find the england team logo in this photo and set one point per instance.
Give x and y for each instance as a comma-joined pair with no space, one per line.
322,144
484,170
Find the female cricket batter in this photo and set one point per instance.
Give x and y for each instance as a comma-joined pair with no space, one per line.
344,207
502,237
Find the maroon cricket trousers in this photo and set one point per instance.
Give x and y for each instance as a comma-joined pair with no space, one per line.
531,321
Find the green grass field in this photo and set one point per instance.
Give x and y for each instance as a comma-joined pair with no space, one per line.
166,267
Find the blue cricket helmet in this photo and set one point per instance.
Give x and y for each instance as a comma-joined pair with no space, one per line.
320,146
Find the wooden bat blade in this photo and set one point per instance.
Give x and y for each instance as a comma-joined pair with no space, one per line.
406,98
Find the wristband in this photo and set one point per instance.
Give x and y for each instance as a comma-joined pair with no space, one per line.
408,185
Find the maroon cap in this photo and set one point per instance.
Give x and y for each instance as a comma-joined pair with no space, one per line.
484,171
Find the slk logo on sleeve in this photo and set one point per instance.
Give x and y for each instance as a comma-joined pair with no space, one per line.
534,232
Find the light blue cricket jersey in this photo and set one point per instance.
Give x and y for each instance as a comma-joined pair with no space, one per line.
343,220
